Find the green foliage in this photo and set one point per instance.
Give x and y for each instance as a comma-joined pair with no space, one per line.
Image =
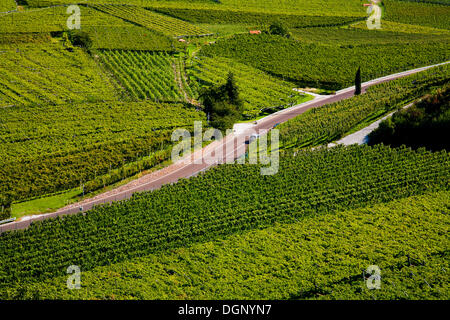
432,15
358,36
54,19
130,38
219,203
47,74
8,39
425,124
279,29
318,257
222,103
80,39
5,210
154,21
262,19
144,75
259,91
52,148
330,122
7,5
330,67
304,7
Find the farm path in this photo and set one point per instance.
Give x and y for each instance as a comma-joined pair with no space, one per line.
362,136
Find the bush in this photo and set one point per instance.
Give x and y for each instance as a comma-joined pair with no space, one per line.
80,39
425,124
223,104
279,29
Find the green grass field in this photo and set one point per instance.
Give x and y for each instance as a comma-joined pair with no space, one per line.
45,204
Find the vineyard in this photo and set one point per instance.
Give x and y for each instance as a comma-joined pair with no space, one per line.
153,21
54,19
34,74
392,33
130,38
431,15
60,147
330,122
7,5
220,203
222,16
287,261
145,75
305,7
87,116
259,91
330,67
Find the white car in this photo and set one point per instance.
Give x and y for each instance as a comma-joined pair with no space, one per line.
253,137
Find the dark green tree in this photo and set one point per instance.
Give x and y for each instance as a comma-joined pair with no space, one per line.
232,90
222,103
80,39
278,28
358,82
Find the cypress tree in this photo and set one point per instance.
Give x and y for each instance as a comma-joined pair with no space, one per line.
358,82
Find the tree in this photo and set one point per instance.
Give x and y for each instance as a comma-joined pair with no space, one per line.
232,90
81,39
278,28
358,82
222,103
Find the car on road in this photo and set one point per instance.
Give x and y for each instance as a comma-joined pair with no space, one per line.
253,137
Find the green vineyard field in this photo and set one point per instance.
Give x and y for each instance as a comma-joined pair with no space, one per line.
331,67
222,16
7,5
432,15
54,19
130,37
59,147
220,203
288,261
153,21
87,119
330,122
145,75
46,73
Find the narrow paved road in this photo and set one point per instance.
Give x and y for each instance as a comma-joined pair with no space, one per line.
231,147
362,136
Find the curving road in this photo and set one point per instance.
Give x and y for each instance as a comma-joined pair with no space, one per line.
230,148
